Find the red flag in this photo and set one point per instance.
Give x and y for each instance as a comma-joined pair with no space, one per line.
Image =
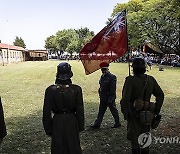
108,45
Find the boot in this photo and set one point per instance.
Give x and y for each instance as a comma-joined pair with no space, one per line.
116,125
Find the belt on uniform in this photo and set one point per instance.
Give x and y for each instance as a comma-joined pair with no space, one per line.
63,112
104,93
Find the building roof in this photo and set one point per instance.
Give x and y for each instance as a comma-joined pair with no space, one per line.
39,51
153,47
11,47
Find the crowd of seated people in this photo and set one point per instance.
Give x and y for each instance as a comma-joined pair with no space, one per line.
166,59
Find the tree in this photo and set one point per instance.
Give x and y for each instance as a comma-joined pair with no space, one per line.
70,40
19,42
133,8
84,36
50,43
163,24
64,37
72,45
156,21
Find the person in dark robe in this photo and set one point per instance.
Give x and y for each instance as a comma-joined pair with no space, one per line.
63,112
3,131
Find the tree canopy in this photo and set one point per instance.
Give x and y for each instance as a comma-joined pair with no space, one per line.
155,21
70,40
19,42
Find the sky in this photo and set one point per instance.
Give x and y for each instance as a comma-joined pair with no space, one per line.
35,20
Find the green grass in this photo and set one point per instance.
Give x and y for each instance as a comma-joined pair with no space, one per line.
22,91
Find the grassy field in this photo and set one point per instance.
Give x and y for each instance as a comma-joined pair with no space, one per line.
22,89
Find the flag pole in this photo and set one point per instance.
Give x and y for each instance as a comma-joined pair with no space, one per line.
127,47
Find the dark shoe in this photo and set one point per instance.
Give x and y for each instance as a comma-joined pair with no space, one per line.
116,126
95,127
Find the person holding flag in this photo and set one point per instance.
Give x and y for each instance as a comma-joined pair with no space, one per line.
105,47
136,106
107,94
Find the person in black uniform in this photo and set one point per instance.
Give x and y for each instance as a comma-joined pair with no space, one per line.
3,132
140,86
63,113
107,94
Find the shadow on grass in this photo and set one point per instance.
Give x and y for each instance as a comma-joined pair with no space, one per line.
168,128
113,141
105,141
26,135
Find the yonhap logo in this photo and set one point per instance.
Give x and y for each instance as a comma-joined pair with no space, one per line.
145,140
167,140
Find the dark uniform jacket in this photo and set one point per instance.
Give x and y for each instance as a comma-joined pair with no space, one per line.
107,88
67,120
3,132
132,90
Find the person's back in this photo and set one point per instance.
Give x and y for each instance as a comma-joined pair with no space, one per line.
138,82
65,101
60,93
139,88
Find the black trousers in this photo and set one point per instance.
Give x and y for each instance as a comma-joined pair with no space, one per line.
102,109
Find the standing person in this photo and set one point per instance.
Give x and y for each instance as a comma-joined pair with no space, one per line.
107,94
3,132
140,87
149,62
63,112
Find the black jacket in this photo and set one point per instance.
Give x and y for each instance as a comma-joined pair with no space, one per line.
108,86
